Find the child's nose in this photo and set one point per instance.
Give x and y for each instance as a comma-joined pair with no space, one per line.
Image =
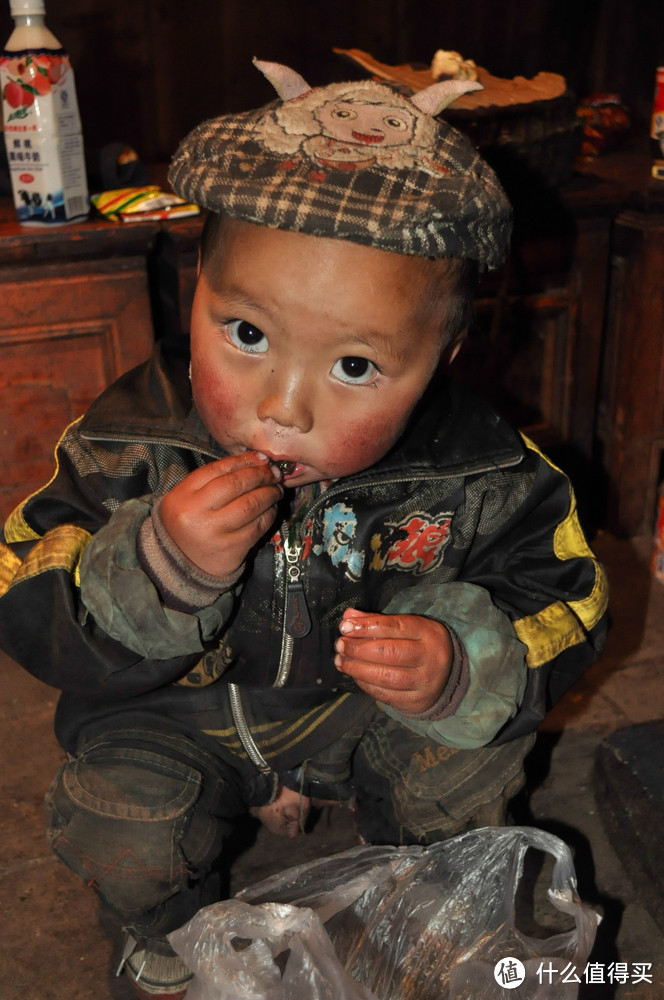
287,402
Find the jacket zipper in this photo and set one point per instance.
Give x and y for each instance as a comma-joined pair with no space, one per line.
243,731
296,618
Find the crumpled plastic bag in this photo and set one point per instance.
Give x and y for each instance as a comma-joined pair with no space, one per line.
239,951
386,923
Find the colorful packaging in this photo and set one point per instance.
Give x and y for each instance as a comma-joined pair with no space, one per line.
141,204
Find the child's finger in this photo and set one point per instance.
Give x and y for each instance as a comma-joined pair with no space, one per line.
371,623
220,490
248,508
249,485
373,678
382,652
356,613
221,467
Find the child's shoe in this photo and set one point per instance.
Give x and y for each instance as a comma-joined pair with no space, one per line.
155,971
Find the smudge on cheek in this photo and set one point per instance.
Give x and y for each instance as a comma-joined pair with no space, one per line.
363,443
217,401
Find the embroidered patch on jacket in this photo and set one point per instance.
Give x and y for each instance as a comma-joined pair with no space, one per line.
339,530
414,545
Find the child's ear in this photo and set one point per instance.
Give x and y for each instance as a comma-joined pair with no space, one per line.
454,350
450,352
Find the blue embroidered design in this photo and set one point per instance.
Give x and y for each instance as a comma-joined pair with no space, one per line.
339,529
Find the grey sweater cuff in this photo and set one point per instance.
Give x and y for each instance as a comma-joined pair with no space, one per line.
455,688
182,584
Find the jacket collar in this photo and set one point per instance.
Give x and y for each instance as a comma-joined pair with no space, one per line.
453,432
152,403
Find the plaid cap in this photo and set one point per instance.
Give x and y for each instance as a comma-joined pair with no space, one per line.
354,161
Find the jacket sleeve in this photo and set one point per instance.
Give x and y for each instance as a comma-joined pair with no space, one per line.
496,661
530,603
125,602
530,553
44,624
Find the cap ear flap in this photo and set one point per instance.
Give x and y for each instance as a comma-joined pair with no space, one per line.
287,83
434,99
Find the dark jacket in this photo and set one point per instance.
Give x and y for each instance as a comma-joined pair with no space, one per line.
464,521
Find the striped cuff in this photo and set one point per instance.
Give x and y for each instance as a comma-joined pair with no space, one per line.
455,688
182,585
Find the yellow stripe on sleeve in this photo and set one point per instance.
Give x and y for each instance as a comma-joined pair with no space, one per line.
16,527
9,566
564,624
60,548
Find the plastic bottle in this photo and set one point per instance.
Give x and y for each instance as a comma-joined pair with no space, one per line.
42,124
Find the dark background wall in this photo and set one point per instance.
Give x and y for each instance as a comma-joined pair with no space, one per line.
149,70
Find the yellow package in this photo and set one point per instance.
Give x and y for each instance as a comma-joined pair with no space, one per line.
141,204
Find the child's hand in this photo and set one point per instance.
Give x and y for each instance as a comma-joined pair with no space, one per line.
218,512
286,815
401,660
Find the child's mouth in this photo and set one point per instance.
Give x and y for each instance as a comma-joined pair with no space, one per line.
287,467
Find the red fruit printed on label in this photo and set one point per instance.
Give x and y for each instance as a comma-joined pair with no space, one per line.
17,96
39,79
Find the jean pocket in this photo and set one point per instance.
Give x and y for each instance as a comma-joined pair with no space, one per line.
119,817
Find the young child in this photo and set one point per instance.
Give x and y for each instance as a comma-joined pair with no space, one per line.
297,563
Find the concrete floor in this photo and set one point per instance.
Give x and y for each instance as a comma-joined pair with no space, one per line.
53,946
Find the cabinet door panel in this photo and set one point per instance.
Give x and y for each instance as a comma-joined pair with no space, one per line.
520,356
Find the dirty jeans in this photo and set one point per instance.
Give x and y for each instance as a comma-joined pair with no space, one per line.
143,816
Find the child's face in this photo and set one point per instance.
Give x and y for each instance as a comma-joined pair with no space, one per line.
308,349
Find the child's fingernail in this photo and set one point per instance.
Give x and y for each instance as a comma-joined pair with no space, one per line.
263,458
337,662
346,626
276,471
339,645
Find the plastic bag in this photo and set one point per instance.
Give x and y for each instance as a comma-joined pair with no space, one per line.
408,923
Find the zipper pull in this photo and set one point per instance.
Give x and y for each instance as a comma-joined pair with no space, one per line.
298,619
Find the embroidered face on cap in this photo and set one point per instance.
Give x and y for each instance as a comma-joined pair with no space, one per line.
355,161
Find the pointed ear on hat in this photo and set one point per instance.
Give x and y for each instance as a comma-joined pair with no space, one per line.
286,81
432,100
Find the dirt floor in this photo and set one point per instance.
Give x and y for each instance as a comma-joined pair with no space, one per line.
53,945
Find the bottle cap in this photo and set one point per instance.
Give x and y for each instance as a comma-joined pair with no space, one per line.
23,7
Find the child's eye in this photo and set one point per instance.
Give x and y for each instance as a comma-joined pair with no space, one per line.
357,371
247,337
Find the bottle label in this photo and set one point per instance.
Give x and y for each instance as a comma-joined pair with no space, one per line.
43,136
657,124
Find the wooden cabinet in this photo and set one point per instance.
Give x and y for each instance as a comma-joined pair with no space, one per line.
536,347
630,425
569,343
